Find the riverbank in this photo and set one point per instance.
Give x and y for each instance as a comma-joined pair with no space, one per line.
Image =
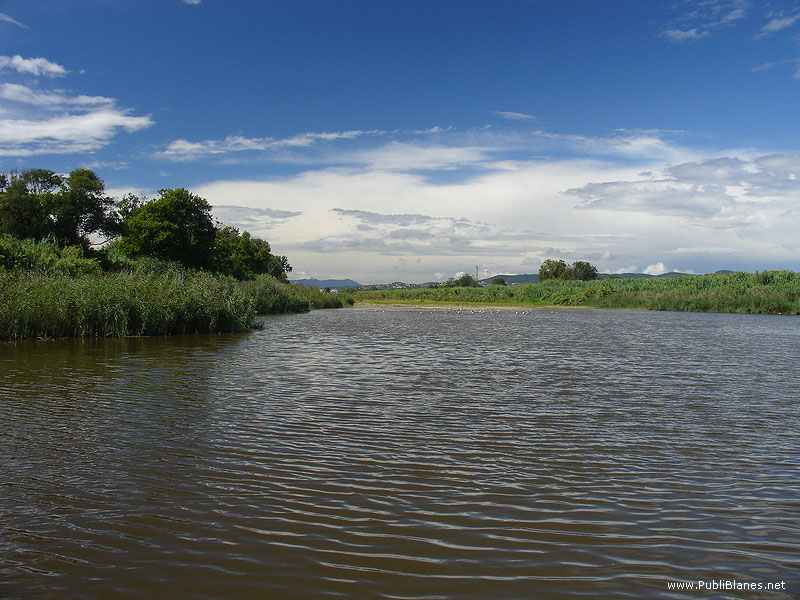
131,303
768,292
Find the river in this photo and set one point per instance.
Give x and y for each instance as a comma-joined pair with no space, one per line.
415,454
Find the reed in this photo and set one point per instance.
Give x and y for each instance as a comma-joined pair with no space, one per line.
155,298
34,305
768,292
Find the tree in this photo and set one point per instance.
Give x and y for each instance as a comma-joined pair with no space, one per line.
583,271
499,281
22,213
80,209
466,280
552,269
175,226
38,203
558,269
244,257
128,204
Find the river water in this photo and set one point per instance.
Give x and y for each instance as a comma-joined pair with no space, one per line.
367,453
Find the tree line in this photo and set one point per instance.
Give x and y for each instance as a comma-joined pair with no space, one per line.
73,211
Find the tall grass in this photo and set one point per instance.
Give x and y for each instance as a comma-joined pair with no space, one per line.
49,292
273,297
769,292
118,304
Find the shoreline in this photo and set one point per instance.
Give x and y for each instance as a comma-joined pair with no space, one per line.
398,304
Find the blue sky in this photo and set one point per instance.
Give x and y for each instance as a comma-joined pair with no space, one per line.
415,139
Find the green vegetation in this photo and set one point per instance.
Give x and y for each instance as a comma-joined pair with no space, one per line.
165,267
466,280
558,269
39,203
47,291
769,292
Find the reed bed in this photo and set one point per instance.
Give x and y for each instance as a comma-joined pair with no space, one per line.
768,292
151,300
33,305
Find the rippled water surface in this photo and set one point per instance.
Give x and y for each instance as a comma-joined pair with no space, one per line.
364,453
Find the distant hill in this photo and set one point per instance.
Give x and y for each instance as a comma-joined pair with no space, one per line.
510,280
642,275
328,283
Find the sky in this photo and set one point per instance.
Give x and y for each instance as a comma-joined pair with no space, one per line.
414,140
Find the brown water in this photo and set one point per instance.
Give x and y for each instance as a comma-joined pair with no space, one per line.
364,453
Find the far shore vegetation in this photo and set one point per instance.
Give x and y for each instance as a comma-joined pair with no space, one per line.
767,292
74,262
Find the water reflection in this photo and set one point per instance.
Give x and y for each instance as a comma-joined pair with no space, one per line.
381,454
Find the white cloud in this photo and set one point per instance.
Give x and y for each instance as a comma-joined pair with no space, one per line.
54,99
780,23
765,66
464,198
656,269
704,250
34,66
184,150
685,35
307,139
67,133
36,120
515,116
191,2
404,156
621,270
7,19
701,19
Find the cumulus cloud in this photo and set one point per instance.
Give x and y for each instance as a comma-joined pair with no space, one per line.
515,200
656,269
725,188
33,66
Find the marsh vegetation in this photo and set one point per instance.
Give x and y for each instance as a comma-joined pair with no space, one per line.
768,292
76,263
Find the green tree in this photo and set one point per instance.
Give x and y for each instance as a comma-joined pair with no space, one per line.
583,271
175,226
466,280
499,281
81,208
23,213
245,257
128,204
552,269
279,267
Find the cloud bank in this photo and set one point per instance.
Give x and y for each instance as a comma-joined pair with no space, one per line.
392,209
